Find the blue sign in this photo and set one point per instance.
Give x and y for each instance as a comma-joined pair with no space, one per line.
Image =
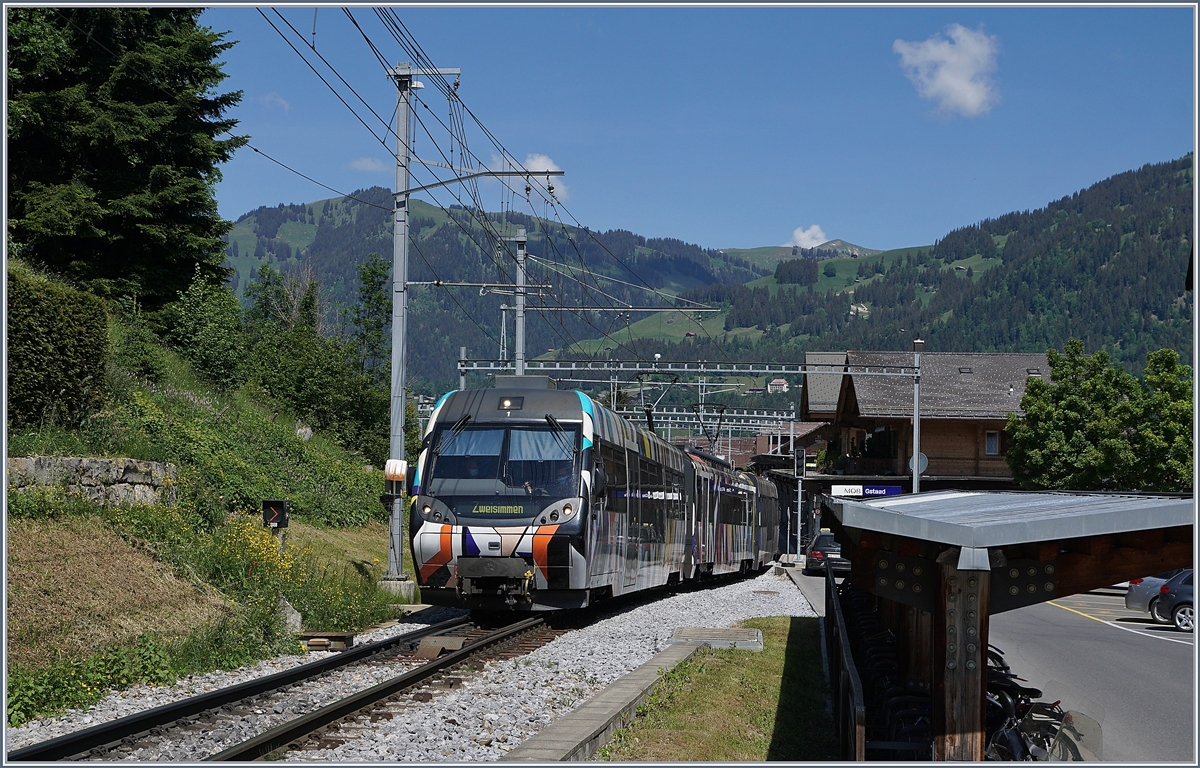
881,490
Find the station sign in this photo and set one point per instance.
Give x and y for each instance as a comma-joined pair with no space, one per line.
881,490
866,490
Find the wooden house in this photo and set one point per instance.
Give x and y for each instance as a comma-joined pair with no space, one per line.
965,402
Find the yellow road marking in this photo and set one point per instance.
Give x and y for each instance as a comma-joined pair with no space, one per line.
1072,610
1118,626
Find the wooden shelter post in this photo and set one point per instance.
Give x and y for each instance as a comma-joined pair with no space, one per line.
960,654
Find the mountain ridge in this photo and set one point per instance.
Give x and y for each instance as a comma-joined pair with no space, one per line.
886,293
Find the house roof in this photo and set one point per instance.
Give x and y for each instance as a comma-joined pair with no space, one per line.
823,388
983,519
953,385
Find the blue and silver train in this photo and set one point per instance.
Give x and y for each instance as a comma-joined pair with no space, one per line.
541,499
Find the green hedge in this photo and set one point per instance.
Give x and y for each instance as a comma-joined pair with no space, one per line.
57,344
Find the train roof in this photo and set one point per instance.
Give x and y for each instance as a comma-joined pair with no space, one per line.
531,405
523,405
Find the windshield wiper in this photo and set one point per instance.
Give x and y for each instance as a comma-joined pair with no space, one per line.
454,431
560,436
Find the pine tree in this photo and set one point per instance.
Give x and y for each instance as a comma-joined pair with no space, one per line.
114,130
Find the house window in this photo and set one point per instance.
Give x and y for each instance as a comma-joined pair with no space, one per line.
991,443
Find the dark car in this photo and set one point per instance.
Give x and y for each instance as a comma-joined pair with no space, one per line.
1175,600
824,552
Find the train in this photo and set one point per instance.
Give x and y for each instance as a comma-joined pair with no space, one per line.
528,499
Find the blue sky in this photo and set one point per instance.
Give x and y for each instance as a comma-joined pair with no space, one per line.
739,127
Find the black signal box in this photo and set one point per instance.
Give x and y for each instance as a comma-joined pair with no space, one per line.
275,513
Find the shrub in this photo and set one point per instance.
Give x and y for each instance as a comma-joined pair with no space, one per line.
206,324
136,350
57,345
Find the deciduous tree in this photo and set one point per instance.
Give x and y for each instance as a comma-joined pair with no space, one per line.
1096,427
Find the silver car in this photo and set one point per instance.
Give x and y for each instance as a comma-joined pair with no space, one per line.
1143,594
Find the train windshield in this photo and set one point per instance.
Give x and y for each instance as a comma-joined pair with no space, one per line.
535,463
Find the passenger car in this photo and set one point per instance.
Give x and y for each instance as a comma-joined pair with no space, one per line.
1175,600
1143,594
824,552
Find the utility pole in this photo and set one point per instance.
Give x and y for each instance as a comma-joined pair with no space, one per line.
519,312
795,474
918,347
396,470
504,331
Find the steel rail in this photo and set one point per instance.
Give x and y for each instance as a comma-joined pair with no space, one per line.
282,735
125,727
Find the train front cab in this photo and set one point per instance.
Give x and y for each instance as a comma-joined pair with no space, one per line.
500,509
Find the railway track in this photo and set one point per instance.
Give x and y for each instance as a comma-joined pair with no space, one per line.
107,736
327,727
207,711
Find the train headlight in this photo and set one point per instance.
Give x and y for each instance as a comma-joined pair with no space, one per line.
425,510
554,516
567,511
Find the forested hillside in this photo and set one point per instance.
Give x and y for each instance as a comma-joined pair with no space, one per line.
1106,265
334,237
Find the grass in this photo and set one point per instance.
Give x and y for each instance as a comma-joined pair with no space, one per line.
738,706
233,449
103,597
100,598
75,585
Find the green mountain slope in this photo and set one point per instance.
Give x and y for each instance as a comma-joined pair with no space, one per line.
1106,265
333,237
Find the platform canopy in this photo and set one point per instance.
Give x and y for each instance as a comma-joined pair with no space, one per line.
941,564
995,519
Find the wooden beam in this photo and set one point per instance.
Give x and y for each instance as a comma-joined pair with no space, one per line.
918,647
1092,546
1141,539
1077,572
960,625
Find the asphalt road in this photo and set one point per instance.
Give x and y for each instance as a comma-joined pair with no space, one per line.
1136,677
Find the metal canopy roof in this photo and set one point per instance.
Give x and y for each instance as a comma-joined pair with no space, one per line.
991,519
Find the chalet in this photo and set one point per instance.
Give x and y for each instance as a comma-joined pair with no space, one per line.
777,385
965,402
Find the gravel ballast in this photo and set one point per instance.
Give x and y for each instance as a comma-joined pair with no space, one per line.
139,698
494,710
512,700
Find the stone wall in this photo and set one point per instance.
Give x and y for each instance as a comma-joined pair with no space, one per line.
108,481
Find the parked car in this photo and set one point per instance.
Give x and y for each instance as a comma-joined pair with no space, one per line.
1175,600
1143,594
824,552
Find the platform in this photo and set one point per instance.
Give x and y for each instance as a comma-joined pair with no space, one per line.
578,734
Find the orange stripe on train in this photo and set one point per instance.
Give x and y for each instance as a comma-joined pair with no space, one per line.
541,540
444,553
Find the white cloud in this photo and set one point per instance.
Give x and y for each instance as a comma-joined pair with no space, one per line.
955,72
273,99
807,238
372,164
